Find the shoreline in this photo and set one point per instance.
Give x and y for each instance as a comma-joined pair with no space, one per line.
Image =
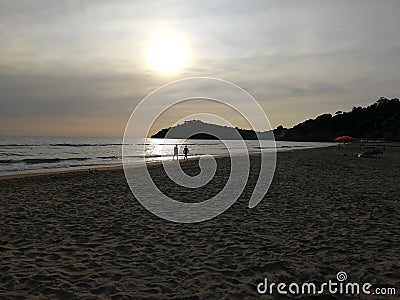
50,171
43,172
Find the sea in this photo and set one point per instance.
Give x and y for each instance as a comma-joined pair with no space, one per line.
19,155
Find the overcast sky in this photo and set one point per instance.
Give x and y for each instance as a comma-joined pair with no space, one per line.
80,67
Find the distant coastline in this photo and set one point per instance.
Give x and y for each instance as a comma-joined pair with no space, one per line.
196,129
378,121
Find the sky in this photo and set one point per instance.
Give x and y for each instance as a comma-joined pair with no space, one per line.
79,68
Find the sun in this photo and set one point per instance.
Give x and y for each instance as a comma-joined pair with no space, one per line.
167,55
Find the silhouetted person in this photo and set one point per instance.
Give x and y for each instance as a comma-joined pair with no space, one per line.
175,153
185,151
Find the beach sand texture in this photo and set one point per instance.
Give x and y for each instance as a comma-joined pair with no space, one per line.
83,236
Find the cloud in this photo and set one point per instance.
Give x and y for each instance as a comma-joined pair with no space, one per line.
88,58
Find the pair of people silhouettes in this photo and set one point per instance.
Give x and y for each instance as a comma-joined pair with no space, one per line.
176,152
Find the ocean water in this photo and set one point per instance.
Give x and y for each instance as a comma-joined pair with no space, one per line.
38,154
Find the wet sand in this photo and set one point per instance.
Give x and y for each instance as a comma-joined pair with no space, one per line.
79,235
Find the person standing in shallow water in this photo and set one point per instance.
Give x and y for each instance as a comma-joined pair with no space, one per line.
175,153
185,152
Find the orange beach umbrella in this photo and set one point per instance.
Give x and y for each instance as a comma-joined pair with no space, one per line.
344,138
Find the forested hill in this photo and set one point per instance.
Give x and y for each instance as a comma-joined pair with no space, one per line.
196,129
380,120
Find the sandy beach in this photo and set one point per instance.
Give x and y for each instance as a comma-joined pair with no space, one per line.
79,235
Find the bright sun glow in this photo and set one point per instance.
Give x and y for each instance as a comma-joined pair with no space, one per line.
167,55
